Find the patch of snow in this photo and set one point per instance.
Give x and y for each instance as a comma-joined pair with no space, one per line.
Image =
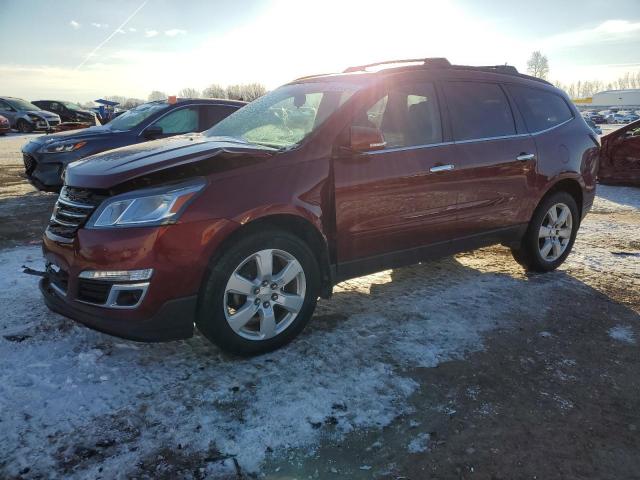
622,333
419,444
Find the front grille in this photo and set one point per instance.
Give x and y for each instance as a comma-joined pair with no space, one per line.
29,163
72,210
93,291
53,122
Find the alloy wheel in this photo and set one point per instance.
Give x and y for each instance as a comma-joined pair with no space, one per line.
555,232
264,294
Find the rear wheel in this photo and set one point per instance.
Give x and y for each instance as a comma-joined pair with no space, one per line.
550,235
260,293
24,126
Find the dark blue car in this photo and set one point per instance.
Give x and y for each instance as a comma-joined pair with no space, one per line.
45,157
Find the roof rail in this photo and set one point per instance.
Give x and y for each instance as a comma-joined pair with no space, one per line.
430,62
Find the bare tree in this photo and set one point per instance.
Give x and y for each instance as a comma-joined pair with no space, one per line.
132,103
253,91
189,93
116,98
246,92
538,65
214,91
157,95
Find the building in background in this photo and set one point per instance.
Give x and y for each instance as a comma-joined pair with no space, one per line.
612,98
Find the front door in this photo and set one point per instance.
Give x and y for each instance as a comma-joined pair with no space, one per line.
393,200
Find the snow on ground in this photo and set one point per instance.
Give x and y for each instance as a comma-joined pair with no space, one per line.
622,333
73,401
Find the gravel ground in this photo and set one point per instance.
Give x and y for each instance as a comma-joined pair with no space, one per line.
461,368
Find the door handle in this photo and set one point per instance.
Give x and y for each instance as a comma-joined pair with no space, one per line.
441,168
523,157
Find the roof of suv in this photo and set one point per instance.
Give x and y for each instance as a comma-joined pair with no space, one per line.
364,74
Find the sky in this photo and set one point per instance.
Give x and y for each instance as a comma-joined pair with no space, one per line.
80,50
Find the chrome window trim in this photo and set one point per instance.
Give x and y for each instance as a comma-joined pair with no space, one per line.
554,127
473,140
411,147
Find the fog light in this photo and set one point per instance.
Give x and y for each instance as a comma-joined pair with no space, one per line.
118,275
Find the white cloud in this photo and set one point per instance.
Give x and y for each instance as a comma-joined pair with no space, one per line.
99,25
131,29
120,30
174,32
150,33
74,24
607,31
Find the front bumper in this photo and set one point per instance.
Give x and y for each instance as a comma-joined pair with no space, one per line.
173,321
44,171
178,254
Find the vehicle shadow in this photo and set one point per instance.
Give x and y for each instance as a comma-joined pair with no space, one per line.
497,291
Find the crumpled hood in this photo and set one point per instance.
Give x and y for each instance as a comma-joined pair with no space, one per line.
43,113
108,169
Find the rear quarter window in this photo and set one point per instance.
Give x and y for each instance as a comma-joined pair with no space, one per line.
540,109
478,110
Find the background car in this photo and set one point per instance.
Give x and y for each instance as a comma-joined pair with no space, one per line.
614,118
46,157
5,127
620,156
68,111
629,118
26,116
597,118
596,129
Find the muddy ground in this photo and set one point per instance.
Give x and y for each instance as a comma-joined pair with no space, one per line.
550,388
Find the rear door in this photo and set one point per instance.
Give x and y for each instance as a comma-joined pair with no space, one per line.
494,160
389,200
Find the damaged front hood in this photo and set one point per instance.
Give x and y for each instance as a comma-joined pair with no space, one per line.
108,169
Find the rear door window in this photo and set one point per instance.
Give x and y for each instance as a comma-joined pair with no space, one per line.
407,115
478,110
540,109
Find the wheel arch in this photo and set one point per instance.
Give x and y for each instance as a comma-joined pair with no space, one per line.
297,224
570,185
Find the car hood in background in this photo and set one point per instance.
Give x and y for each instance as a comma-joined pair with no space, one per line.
75,135
108,169
43,113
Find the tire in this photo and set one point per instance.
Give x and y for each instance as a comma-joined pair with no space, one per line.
534,252
261,333
24,126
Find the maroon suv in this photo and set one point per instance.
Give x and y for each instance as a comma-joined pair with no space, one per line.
240,229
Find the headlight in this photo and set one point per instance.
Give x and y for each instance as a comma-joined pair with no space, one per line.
154,206
34,117
64,147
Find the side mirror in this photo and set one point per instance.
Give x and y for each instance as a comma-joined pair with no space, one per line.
152,132
366,139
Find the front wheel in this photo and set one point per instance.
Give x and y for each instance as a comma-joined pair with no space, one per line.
260,293
24,126
550,234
